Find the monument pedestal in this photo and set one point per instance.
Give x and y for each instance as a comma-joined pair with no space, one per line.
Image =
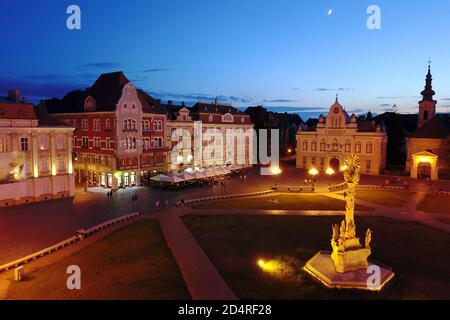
322,267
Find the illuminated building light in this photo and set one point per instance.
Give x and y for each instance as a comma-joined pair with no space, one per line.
70,167
343,168
424,160
275,170
313,171
329,171
53,170
35,171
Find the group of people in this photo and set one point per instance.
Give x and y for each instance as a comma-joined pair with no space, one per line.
109,194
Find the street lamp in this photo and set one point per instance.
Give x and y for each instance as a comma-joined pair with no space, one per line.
275,171
313,172
329,172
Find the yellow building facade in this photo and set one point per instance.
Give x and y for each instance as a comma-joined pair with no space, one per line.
324,145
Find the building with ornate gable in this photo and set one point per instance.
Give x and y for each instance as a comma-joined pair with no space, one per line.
324,143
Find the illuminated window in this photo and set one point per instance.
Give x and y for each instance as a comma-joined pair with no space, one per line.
84,125
305,145
107,125
335,145
369,148
358,147
85,142
23,144
314,146
348,146
322,145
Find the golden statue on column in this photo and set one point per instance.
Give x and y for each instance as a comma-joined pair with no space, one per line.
347,266
348,253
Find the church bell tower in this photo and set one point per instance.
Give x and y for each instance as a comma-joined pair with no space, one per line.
427,107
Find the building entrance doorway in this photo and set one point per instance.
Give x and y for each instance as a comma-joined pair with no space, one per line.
334,164
424,170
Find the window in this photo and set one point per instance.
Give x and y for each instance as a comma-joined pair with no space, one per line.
368,164
348,146
96,124
108,141
43,141
67,121
157,125
425,115
322,162
129,125
62,164
145,125
304,161
74,141
85,142
146,143
358,147
43,166
84,125
369,148
158,141
314,146
133,106
227,117
97,142
107,125
23,144
313,160
75,124
335,145
322,145
305,145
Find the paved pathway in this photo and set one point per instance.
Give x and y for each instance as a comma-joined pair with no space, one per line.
201,276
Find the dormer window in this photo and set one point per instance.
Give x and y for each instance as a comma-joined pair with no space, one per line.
227,118
89,104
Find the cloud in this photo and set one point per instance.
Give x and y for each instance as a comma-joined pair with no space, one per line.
202,97
296,109
383,98
446,99
99,65
338,89
155,70
385,105
279,101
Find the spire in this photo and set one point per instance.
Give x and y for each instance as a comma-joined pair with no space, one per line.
337,98
428,93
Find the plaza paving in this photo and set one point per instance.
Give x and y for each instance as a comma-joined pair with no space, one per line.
26,229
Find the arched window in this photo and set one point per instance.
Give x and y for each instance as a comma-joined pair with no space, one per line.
348,146
314,145
335,145
369,148
425,115
107,125
129,125
305,145
322,145
358,147
157,125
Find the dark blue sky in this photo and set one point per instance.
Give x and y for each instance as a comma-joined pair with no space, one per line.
285,53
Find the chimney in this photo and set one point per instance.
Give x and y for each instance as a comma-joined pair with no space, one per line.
14,95
182,104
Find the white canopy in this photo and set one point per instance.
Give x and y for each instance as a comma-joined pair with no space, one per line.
185,176
158,178
171,179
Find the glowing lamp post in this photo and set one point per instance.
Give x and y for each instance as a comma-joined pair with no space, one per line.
276,171
313,172
329,172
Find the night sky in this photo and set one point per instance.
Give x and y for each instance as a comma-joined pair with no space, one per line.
288,54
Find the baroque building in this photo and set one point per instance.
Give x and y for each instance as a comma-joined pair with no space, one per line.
322,144
207,145
119,132
35,154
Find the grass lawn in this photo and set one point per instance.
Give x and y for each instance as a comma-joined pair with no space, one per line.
131,263
419,255
280,202
388,198
437,203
